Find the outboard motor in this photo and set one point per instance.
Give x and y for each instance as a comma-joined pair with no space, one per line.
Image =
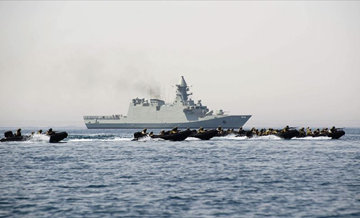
8,134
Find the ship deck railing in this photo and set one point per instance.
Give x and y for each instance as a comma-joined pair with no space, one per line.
113,117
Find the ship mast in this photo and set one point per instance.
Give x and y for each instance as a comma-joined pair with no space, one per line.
182,91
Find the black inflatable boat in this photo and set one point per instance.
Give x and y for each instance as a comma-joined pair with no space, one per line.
57,137
53,138
179,136
288,134
205,135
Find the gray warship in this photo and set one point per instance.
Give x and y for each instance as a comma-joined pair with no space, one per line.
156,114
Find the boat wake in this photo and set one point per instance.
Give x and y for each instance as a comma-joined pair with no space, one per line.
313,138
113,138
96,137
39,138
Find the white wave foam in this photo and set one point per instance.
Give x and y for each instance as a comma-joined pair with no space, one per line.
313,138
39,138
239,138
267,137
192,139
100,140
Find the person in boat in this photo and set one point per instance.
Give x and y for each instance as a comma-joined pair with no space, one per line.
144,131
308,132
162,132
220,130
274,131
50,132
151,134
324,131
254,130
302,132
333,129
18,132
201,130
286,129
174,130
317,132
39,132
268,131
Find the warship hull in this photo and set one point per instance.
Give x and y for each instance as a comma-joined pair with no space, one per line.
229,122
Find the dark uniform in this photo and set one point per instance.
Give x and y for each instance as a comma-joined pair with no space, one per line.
49,132
333,129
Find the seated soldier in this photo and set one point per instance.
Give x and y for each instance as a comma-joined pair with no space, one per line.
286,129
201,130
151,134
50,132
308,132
39,132
316,132
254,130
268,131
18,132
219,129
302,132
174,130
162,132
333,129
323,131
144,131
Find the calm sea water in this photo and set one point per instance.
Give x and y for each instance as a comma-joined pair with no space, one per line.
102,173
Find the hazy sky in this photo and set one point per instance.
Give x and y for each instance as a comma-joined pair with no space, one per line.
283,62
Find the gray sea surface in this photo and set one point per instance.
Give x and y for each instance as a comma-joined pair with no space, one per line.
102,173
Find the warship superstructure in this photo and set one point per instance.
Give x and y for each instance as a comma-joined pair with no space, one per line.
156,114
